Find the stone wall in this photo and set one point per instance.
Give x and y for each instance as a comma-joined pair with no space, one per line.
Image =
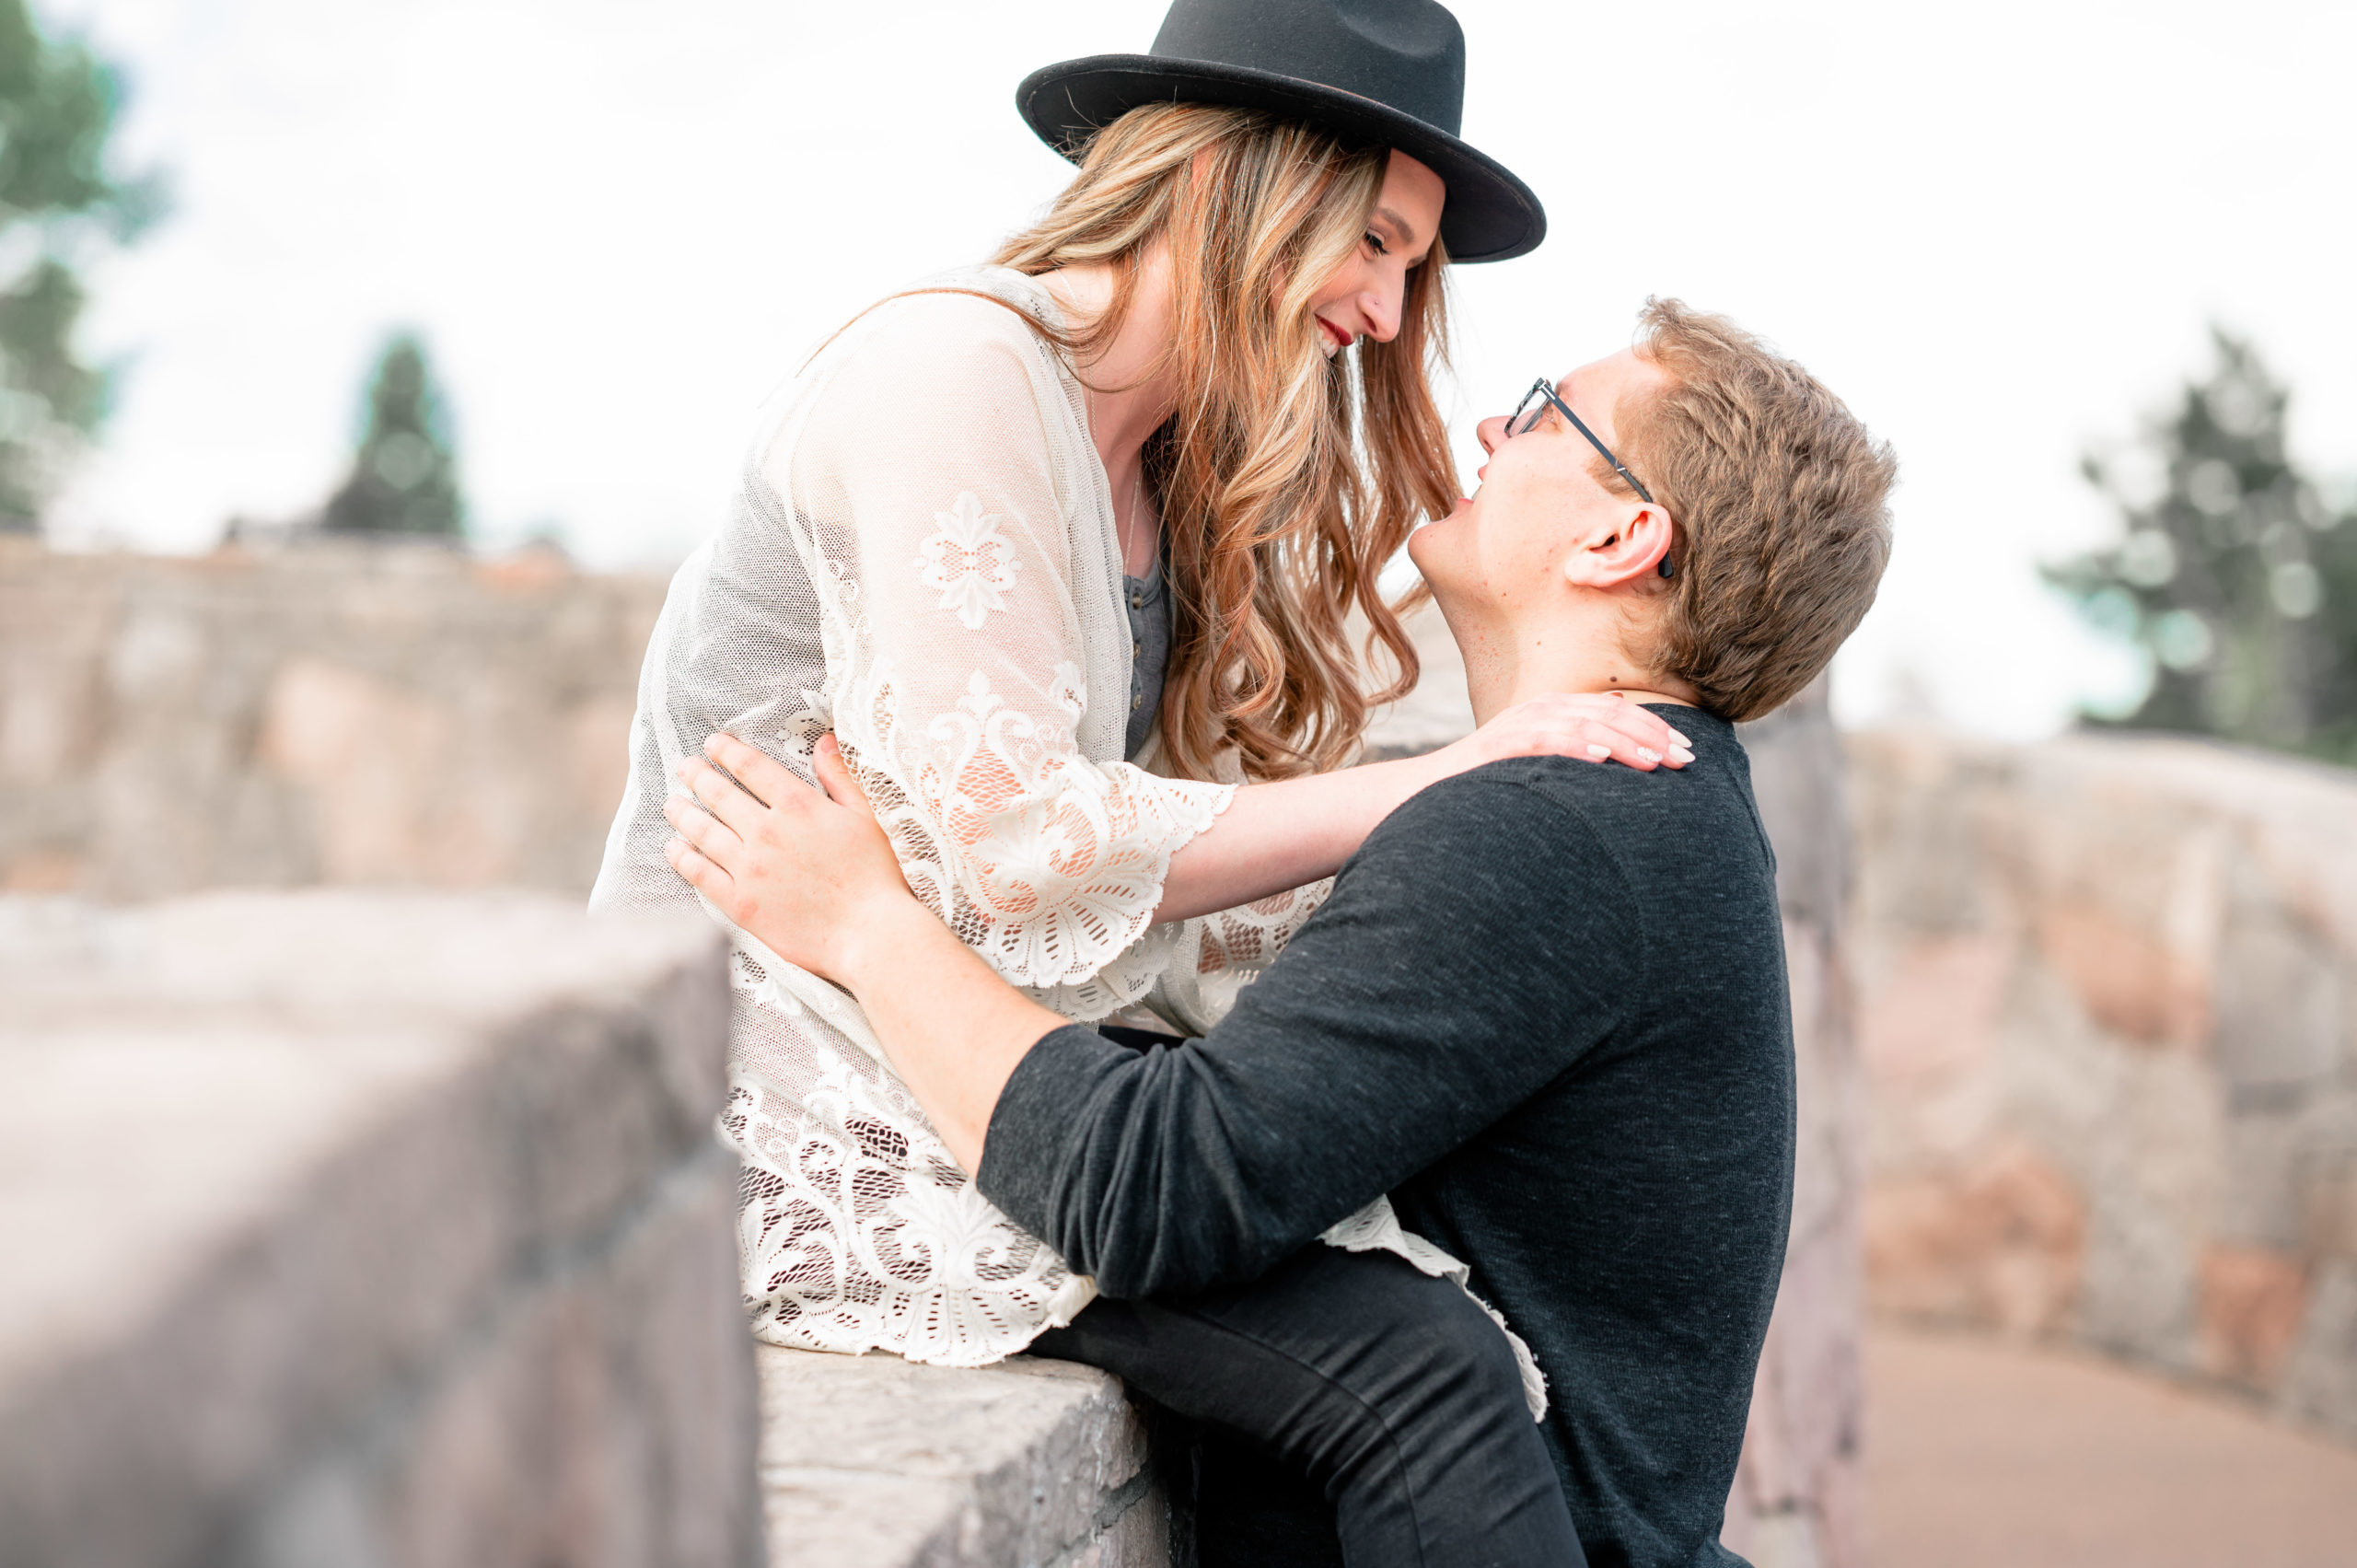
1797,1501
2107,992
368,1229
331,714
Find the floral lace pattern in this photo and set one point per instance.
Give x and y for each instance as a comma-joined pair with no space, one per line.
1212,960
856,1229
968,560
1049,870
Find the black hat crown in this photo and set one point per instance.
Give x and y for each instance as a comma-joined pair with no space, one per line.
1386,72
1408,54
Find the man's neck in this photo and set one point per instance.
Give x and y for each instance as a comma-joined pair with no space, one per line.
1507,663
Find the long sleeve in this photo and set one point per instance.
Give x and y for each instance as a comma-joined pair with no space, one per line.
1464,960
1212,957
936,487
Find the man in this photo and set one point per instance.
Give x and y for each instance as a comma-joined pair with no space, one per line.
1544,1009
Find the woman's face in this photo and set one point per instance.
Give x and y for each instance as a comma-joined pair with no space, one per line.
1363,298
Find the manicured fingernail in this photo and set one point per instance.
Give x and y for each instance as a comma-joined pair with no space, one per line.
1681,739
1680,755
1599,753
1649,754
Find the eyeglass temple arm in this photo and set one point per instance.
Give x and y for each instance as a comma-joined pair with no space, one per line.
1543,390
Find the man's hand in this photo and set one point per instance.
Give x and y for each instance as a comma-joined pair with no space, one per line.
814,877
808,874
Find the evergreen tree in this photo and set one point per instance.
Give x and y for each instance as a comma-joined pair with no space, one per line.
405,479
57,110
2239,580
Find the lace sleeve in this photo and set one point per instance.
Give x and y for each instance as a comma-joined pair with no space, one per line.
964,575
1212,958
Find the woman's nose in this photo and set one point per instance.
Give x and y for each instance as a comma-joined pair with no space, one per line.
1491,432
1381,309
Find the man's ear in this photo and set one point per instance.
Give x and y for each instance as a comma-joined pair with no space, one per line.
1630,548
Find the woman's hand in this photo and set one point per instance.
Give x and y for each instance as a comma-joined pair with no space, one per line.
1275,836
805,873
1598,727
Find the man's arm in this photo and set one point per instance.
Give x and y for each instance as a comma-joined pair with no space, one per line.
1476,948
814,877
952,1027
1474,951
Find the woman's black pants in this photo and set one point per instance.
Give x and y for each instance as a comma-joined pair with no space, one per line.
1389,1393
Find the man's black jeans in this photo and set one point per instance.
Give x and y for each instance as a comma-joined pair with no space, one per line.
1392,1392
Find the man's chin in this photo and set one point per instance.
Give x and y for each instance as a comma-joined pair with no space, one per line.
1431,564
1425,540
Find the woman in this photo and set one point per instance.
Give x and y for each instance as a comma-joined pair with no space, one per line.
1062,551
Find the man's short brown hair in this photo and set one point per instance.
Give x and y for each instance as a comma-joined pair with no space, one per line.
1780,501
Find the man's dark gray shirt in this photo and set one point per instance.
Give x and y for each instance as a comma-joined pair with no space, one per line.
1545,1009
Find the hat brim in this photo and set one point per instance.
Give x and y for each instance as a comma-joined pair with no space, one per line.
1490,215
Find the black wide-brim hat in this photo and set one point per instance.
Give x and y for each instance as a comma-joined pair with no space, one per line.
1384,73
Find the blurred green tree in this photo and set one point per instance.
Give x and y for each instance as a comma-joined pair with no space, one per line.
404,477
2237,578
58,104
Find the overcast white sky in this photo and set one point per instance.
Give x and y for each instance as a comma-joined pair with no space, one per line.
1998,231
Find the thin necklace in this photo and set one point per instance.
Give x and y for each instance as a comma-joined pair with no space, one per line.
1127,530
1121,525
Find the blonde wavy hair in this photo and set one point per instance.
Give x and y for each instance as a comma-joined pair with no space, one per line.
1286,478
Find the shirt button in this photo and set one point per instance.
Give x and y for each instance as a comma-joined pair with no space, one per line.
1137,601
1137,650
1136,702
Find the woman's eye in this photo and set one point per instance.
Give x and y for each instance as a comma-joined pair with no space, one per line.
1376,240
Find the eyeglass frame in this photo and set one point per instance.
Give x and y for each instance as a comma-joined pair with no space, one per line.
1545,388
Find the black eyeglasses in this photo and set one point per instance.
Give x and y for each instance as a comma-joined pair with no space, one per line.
1542,392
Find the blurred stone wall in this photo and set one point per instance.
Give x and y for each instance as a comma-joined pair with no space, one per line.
330,714
1797,1501
368,1227
2106,989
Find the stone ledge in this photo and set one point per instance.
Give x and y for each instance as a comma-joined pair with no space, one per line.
372,1228
876,1462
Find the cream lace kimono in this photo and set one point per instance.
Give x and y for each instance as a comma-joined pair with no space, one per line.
921,558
